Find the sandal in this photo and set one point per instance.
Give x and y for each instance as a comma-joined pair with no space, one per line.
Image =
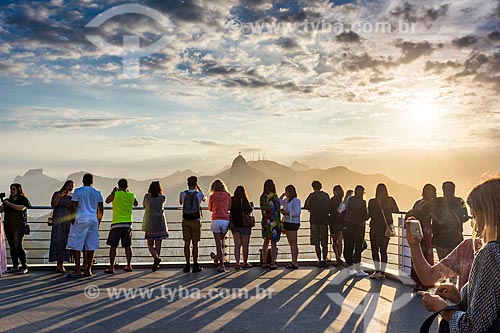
73,275
291,266
247,265
88,274
236,266
214,258
273,266
128,269
221,269
109,271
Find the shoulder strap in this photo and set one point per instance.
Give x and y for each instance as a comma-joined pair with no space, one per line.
426,326
383,213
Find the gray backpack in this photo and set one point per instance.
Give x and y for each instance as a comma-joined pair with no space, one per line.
191,207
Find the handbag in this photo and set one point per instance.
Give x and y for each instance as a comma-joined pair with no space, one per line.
248,220
27,229
50,219
389,229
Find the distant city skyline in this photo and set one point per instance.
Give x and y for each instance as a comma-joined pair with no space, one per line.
404,88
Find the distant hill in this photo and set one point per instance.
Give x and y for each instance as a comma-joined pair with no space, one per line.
297,166
39,187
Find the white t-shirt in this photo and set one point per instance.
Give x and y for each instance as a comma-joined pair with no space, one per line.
88,199
293,207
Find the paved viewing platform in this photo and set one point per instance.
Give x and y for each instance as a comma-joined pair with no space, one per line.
310,299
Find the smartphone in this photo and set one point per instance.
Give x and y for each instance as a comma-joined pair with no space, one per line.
415,228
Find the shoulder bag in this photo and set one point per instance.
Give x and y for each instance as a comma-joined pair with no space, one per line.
389,229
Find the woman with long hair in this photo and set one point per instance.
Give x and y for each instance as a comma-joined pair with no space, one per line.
380,210
291,222
271,222
219,203
240,206
337,223
61,221
423,211
15,219
480,309
154,224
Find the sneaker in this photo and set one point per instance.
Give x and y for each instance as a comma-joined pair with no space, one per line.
361,274
197,268
13,270
187,268
23,270
351,272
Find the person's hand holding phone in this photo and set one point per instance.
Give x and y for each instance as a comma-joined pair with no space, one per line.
449,292
410,238
432,303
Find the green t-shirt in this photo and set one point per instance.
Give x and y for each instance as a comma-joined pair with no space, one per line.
122,207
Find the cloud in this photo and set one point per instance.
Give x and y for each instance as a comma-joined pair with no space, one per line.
11,68
466,41
352,62
413,13
438,67
286,43
45,118
348,37
149,127
412,51
494,35
209,143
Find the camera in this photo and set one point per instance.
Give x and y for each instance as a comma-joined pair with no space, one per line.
2,196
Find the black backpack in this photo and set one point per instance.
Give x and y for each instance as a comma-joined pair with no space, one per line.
191,206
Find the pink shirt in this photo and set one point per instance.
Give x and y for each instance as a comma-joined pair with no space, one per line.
460,260
219,204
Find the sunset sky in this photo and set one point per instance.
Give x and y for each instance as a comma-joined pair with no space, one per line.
405,88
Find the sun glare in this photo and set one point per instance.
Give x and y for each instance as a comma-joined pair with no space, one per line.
423,113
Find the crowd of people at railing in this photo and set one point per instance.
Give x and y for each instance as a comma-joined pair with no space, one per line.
77,214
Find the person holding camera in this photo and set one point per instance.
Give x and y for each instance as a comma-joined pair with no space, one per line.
15,221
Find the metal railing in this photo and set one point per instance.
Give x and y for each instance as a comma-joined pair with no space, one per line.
37,244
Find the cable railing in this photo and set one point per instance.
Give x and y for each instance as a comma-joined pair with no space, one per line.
37,244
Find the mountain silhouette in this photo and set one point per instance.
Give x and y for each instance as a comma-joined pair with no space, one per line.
251,174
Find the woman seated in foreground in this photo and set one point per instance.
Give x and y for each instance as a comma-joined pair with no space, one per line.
482,294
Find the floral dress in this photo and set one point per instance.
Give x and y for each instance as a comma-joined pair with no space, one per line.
271,223
61,218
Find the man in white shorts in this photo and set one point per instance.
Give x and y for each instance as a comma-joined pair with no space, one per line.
87,203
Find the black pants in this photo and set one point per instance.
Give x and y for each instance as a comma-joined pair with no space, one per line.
353,243
379,244
15,235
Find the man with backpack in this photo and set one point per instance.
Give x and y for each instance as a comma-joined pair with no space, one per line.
191,200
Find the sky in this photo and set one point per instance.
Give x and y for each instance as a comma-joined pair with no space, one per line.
405,88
